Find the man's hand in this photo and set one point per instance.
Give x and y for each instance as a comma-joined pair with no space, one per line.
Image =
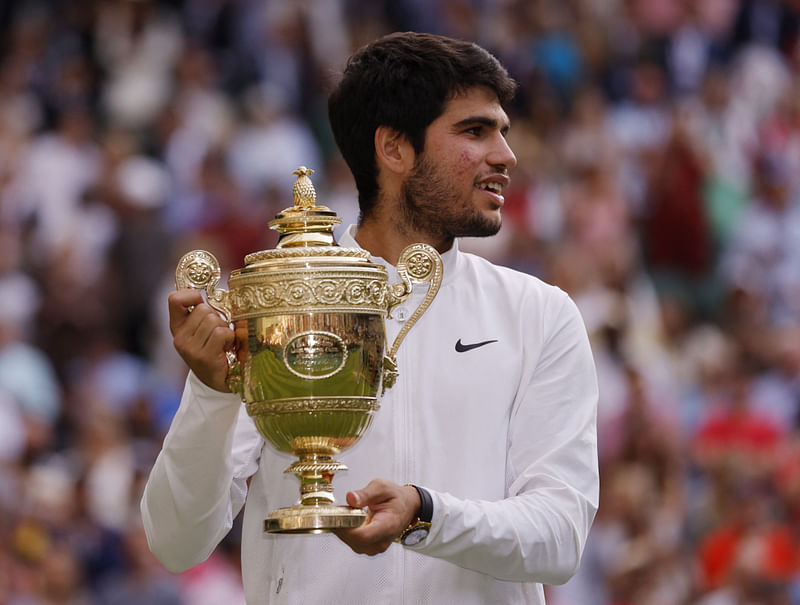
200,336
392,508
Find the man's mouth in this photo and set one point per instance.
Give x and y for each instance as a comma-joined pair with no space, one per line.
495,188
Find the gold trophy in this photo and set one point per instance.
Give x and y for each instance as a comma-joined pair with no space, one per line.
310,360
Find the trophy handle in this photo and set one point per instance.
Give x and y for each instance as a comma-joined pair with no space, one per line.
418,264
200,269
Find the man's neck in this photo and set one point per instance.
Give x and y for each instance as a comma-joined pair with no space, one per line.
387,238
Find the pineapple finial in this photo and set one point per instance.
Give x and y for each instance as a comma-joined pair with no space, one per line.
303,192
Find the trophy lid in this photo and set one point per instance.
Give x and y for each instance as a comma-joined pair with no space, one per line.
306,229
306,223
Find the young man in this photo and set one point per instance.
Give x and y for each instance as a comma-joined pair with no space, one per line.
493,414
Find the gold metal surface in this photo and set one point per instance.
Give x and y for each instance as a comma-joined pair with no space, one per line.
310,359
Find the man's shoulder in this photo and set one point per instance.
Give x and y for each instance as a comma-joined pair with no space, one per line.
514,279
506,296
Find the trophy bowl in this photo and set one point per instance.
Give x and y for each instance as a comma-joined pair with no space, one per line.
310,359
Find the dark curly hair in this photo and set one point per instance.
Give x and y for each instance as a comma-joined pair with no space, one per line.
403,81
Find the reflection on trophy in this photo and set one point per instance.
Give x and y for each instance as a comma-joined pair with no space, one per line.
311,358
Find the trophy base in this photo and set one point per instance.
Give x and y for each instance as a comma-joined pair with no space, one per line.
313,519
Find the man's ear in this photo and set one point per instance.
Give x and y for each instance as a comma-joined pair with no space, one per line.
393,150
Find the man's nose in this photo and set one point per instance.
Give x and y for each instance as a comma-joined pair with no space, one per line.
502,155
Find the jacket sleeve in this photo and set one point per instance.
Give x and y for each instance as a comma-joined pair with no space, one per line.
538,531
198,483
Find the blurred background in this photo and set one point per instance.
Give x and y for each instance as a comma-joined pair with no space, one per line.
658,184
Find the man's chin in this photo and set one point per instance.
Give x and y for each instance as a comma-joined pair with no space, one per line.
485,225
485,229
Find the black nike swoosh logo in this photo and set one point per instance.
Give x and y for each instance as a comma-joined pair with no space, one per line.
462,348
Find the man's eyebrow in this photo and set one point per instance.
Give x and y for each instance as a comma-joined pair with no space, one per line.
490,122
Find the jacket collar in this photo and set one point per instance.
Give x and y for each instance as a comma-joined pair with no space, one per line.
449,259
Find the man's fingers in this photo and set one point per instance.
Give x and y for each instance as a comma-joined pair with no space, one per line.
185,298
377,490
180,303
371,549
354,500
221,337
369,539
391,509
185,329
201,337
208,322
204,333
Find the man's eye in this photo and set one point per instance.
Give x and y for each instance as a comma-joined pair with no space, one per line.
474,130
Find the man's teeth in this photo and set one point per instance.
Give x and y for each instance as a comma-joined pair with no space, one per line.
493,187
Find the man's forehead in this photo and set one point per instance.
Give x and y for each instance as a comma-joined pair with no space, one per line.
478,102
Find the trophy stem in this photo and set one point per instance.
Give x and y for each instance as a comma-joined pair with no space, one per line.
315,473
316,512
316,490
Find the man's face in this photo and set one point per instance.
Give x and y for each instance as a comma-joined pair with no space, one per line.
456,187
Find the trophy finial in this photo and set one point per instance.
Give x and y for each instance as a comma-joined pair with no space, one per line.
303,193
306,223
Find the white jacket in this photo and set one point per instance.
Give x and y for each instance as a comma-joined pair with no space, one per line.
503,436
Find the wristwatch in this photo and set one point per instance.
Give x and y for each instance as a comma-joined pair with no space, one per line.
420,527
415,533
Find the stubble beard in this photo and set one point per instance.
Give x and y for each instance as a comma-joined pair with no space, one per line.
431,206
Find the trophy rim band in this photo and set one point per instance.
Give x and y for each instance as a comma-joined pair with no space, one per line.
286,290
340,254
304,404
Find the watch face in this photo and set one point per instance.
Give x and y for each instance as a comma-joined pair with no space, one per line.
415,536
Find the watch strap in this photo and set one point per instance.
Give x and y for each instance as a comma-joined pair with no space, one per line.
424,516
426,503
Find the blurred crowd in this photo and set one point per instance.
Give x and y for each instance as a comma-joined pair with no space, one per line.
658,184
